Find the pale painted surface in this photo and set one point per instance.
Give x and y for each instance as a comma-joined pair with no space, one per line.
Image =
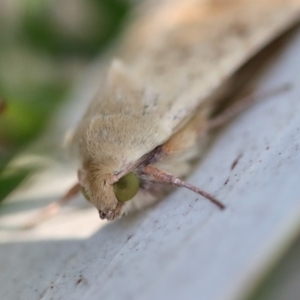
184,247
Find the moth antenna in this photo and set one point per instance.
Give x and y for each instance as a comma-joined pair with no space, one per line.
53,208
242,104
163,176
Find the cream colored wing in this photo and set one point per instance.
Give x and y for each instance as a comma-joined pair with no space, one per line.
178,54
183,51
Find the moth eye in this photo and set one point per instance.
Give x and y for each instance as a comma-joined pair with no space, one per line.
127,187
84,193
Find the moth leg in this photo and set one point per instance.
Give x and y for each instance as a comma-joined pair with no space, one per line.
197,127
241,105
53,208
165,177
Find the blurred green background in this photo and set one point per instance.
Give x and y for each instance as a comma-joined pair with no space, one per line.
44,46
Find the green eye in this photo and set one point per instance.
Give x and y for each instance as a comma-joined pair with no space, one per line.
84,193
127,187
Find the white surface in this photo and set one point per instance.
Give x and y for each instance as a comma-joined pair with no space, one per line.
184,247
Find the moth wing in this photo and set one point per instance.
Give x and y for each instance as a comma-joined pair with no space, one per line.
186,50
176,59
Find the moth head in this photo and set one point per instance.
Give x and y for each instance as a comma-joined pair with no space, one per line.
108,192
110,152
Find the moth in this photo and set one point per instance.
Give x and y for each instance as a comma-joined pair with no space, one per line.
148,122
